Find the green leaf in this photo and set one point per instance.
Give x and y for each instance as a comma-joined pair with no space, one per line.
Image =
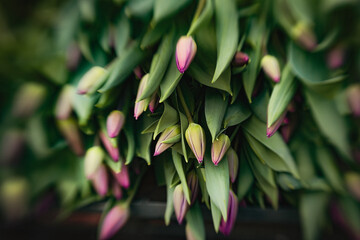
154,34
236,114
83,106
351,210
195,221
85,48
115,166
129,134
139,8
288,182
200,172
203,19
122,33
175,139
259,105
217,183
215,108
183,126
281,95
151,128
178,163
164,9
169,172
245,178
143,141
169,118
216,216
227,34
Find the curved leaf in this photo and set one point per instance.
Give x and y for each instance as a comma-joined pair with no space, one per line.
169,118
178,163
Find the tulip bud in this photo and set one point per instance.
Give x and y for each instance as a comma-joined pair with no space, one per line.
226,227
138,73
195,137
353,183
27,99
168,133
63,104
100,180
116,190
114,220
180,204
70,131
153,102
219,148
73,56
240,59
185,52
304,35
90,79
140,105
93,158
273,128
335,57
233,162
190,235
114,123
193,183
271,67
12,145
353,98
122,177
111,147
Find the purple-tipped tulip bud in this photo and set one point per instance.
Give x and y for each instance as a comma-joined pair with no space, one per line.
335,57
168,133
304,36
110,147
90,79
271,130
226,227
240,59
195,137
123,177
271,67
233,161
116,190
353,183
138,73
180,204
153,102
353,98
63,104
185,52
100,180
219,148
114,220
69,129
114,123
93,159
28,99
140,105
193,183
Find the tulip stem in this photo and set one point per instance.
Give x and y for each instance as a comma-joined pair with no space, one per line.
133,191
183,103
199,8
233,135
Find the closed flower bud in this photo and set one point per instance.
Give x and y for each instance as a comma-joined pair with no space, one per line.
180,204
193,183
271,67
123,177
63,104
138,73
195,137
90,79
154,101
100,180
353,183
304,36
353,98
110,146
116,190
271,130
168,133
335,57
219,148
114,123
185,52
93,159
226,227
114,220
69,129
240,59
233,161
140,105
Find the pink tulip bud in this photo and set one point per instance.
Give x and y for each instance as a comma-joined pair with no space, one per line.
168,133
353,98
271,67
185,52
93,159
114,220
110,146
353,183
304,36
193,183
226,227
195,137
100,180
271,130
140,105
180,204
240,59
153,102
63,104
138,73
28,99
219,148
69,129
123,177
114,123
116,190
90,79
335,57
233,162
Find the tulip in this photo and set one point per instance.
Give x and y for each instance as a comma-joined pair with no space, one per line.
304,35
63,104
353,183
114,220
93,158
233,162
91,79
195,137
180,204
271,130
154,101
114,123
335,57
110,146
271,67
219,148
353,98
100,180
116,190
122,177
138,73
193,183
140,105
185,52
240,59
226,227
168,133
70,131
